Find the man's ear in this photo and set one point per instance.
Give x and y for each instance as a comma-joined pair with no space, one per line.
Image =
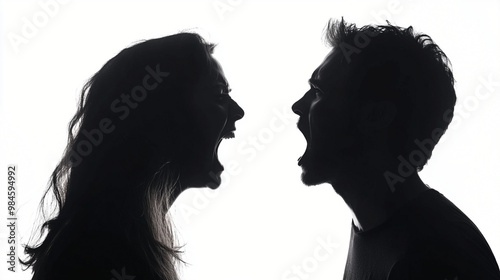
376,116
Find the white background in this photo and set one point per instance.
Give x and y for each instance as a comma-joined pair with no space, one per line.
262,221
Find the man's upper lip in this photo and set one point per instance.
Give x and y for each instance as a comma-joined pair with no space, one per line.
228,130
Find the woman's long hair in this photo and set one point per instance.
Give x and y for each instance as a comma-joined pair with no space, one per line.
109,144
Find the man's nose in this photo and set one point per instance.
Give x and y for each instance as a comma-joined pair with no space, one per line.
236,111
300,107
296,108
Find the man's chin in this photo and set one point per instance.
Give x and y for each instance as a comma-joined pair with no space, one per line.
311,177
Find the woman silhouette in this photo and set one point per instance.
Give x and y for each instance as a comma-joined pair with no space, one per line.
148,127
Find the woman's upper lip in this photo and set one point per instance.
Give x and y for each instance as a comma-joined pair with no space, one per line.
230,129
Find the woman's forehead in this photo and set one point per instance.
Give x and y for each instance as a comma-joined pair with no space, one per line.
217,74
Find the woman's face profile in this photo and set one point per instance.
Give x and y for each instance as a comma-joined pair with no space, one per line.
213,116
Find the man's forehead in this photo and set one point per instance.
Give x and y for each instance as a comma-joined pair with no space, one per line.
332,73
329,68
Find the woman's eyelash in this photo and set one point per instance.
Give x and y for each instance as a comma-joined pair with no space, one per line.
225,96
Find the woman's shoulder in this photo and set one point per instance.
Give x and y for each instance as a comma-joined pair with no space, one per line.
97,258
79,259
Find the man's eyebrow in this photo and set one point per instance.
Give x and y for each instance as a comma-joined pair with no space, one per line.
315,83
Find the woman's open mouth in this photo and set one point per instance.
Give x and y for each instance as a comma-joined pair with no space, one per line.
226,135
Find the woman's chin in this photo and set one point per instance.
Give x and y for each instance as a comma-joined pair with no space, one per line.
209,177
215,183
214,175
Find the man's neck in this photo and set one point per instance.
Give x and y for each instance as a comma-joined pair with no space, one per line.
372,202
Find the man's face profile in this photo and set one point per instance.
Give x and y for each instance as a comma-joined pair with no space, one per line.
325,121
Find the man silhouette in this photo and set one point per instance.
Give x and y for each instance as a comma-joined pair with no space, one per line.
377,106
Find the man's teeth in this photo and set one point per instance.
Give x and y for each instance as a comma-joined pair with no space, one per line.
228,135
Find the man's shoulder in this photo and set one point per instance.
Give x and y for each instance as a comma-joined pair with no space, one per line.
445,241
436,220
418,267
433,214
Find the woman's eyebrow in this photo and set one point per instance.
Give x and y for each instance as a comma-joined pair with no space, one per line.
223,86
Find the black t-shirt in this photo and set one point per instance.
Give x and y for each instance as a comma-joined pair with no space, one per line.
429,238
